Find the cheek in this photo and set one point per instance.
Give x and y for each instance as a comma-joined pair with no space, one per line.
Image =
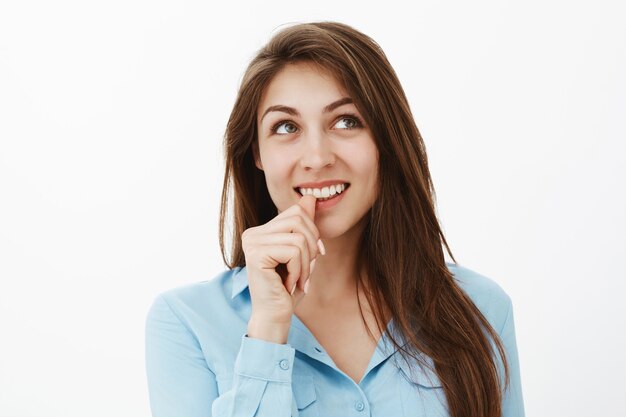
365,162
278,176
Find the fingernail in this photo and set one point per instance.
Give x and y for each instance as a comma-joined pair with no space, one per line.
306,286
312,266
320,245
294,288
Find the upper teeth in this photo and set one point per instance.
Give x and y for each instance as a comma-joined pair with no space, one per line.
323,192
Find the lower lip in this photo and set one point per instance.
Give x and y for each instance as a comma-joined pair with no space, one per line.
322,205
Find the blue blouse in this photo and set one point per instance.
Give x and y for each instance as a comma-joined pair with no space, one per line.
201,363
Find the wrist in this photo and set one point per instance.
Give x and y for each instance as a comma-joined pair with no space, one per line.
268,330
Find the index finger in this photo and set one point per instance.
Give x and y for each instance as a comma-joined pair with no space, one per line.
308,203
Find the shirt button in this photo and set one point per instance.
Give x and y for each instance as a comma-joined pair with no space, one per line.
359,406
318,350
284,364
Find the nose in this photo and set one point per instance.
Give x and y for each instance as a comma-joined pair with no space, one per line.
317,151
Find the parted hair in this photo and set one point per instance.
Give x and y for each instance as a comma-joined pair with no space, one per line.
402,244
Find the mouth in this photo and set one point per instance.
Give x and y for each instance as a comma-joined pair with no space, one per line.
320,198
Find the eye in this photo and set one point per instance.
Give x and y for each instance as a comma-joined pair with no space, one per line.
353,121
285,123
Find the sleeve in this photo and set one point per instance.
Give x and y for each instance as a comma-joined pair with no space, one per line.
513,402
181,384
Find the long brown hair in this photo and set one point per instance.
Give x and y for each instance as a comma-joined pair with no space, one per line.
401,248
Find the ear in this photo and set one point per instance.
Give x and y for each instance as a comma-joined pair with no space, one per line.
255,154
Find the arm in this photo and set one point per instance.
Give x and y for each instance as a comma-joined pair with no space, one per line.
513,402
181,384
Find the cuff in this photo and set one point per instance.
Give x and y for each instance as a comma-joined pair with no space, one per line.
265,360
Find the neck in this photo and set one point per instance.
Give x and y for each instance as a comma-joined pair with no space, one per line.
333,281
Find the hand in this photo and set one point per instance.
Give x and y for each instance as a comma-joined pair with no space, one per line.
279,256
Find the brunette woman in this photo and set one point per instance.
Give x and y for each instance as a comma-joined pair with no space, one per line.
337,300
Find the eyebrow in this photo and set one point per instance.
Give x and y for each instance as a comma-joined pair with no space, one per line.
290,110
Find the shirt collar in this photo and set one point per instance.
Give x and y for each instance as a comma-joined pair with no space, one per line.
240,281
426,376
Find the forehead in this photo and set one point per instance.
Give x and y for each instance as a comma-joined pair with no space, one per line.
302,85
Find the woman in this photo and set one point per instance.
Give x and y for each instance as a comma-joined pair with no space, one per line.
337,300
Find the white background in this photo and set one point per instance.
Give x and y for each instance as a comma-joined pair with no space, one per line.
111,123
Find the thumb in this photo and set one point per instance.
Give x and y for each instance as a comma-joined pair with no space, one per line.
308,203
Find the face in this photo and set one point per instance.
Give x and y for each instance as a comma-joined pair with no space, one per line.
311,135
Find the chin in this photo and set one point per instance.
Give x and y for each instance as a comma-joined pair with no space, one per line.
332,228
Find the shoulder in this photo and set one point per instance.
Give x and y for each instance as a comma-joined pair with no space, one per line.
488,296
199,293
